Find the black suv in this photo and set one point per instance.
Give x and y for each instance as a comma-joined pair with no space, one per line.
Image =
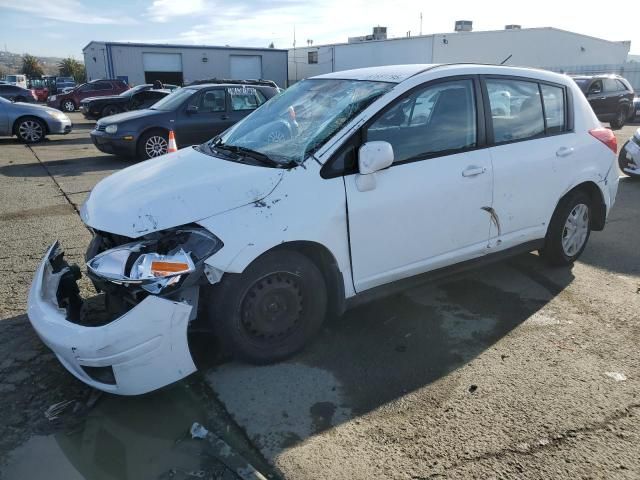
139,97
195,114
610,96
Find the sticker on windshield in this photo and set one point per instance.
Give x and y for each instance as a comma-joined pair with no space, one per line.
242,91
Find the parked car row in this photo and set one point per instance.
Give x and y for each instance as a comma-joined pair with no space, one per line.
70,101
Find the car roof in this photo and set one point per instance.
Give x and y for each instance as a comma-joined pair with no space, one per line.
206,85
401,73
386,73
599,75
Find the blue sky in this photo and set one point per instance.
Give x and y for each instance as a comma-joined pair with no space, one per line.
63,27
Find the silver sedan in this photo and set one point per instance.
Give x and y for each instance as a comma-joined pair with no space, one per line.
31,123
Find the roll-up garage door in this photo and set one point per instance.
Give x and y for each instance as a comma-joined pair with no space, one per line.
246,67
162,62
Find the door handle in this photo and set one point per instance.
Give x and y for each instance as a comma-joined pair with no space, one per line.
564,151
472,171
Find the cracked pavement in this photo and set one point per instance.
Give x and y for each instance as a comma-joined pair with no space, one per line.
510,371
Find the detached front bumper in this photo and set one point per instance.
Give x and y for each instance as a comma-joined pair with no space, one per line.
143,350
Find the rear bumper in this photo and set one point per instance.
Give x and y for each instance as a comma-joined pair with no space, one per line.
141,351
113,144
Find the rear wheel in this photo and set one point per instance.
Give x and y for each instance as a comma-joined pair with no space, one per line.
620,119
110,110
30,130
272,309
153,144
68,106
569,230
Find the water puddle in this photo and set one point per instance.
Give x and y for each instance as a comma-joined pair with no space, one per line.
124,438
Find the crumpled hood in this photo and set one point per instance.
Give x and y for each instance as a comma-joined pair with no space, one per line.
174,190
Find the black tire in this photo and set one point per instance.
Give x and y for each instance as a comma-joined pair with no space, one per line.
152,136
272,309
619,120
68,105
30,130
110,110
555,251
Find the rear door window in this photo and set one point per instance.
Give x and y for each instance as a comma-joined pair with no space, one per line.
610,85
98,86
516,109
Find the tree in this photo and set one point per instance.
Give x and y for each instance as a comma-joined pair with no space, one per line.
31,66
70,67
271,45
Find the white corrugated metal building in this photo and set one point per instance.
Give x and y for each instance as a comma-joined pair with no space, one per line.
138,63
547,47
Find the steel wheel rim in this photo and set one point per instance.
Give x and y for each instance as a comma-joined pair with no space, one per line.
272,308
30,130
576,229
275,137
155,146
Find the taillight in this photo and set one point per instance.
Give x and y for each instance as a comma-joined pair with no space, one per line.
606,136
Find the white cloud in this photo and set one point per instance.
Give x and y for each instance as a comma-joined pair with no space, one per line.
71,11
164,10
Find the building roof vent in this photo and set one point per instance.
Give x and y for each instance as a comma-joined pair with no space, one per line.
513,26
464,25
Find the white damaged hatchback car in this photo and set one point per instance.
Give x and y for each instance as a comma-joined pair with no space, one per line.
344,187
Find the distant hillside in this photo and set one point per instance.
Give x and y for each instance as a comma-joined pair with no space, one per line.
12,63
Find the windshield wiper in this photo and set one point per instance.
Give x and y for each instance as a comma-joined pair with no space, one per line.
247,152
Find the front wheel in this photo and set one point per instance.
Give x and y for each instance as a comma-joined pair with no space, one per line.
569,230
30,130
272,309
153,144
68,106
110,110
619,120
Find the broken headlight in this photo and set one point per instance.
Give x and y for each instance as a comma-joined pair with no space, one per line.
158,262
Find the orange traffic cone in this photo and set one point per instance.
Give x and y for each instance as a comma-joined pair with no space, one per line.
173,147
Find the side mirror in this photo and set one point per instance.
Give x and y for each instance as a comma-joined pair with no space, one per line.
374,156
192,109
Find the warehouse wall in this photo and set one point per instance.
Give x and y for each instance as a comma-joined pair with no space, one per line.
127,60
533,47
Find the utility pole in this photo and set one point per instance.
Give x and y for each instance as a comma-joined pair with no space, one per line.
420,23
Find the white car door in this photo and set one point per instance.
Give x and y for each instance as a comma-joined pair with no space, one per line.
532,158
426,210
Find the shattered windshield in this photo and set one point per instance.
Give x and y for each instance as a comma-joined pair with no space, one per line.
297,122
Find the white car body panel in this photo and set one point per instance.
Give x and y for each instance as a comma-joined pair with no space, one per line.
389,224
632,150
411,218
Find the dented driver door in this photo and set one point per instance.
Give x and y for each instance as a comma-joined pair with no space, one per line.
428,209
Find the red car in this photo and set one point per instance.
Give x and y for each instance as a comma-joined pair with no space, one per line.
68,102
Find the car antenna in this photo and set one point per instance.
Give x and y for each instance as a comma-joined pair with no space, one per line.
506,59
